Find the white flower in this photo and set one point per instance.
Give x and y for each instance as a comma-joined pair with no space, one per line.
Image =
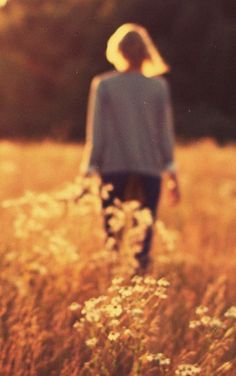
194,324
74,306
113,336
160,358
137,279
126,291
161,293
201,310
162,282
92,316
139,288
117,280
187,370
149,280
231,313
205,320
91,342
216,323
114,322
113,310
127,333
137,311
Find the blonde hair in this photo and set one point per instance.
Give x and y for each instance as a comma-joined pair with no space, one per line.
131,43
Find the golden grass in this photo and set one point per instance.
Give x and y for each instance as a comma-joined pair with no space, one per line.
70,306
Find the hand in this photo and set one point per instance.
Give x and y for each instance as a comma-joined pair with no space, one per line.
173,189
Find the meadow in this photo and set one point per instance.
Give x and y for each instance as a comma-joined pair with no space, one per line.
70,306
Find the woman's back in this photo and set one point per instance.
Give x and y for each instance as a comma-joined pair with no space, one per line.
131,118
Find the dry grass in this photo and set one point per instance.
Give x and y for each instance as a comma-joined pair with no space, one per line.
70,306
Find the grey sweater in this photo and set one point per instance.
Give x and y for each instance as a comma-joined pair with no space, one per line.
129,124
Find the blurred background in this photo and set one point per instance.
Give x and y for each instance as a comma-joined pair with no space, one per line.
50,50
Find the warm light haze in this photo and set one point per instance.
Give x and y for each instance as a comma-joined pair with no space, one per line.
3,2
117,188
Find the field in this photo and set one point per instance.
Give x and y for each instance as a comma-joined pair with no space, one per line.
70,306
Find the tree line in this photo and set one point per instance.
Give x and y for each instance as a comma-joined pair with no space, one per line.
51,50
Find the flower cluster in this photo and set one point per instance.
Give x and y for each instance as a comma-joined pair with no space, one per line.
187,370
119,314
205,320
160,358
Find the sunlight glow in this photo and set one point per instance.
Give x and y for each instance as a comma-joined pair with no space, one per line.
3,2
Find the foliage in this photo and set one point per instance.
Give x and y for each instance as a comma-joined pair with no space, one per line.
51,50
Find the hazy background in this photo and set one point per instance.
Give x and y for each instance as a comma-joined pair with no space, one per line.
50,50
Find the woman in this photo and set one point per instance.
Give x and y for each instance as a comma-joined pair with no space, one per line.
129,123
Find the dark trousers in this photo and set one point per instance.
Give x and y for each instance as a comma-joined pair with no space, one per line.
151,188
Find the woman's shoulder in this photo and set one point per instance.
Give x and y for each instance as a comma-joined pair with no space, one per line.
162,80
162,83
105,76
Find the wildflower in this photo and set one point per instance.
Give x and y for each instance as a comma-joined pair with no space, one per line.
77,325
205,320
92,316
132,205
231,312
114,322
201,310
137,279
216,323
163,360
113,336
91,342
113,288
139,288
116,224
116,300
137,311
105,192
160,358
150,357
149,280
117,280
161,293
91,303
127,333
194,324
74,306
110,210
144,217
110,243
187,370
162,282
126,291
113,310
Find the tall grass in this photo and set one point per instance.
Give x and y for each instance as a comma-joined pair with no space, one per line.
70,306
